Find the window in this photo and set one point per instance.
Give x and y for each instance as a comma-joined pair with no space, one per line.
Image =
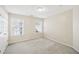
18,27
39,25
3,26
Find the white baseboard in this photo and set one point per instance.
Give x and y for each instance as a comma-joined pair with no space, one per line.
50,38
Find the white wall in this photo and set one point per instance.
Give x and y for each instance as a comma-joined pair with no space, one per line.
3,12
29,28
59,28
4,39
76,28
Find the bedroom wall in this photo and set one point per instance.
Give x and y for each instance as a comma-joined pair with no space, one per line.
59,28
29,28
3,12
76,28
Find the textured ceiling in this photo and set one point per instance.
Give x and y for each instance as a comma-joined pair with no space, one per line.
31,10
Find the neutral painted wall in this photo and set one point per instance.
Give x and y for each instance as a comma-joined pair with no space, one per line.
59,28
29,28
4,39
76,28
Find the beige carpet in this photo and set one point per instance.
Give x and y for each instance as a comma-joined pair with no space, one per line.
39,46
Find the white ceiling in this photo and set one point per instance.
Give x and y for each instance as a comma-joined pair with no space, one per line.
31,10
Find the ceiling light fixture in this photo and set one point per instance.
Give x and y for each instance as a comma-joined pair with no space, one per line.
40,9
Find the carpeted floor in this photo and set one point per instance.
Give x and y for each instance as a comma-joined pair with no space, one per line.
39,46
